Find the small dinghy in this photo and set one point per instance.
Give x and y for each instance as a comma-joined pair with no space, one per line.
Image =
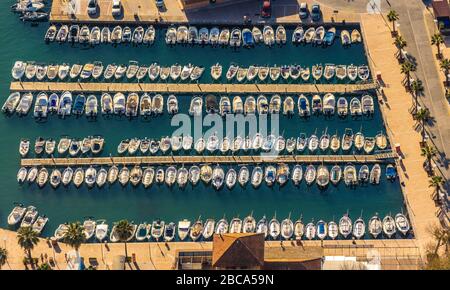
359,228
249,224
203,36
350,176
32,175
149,35
236,37
274,228
257,176
78,177
345,38
375,174
299,229
317,71
262,227
101,231
310,34
345,226
389,227
42,177
329,36
142,232
169,232
124,176
247,38
323,176
367,105
55,178
342,107
333,230
183,229
402,223
335,174
356,36
269,35
322,230
24,147
208,229
375,226
196,230
29,216
310,231
39,224
274,73
113,174
297,36
60,232
25,104
224,37
287,228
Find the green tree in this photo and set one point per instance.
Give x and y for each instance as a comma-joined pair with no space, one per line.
436,182
3,257
124,230
74,236
44,266
445,66
27,240
406,69
400,43
393,17
417,90
422,116
437,40
428,152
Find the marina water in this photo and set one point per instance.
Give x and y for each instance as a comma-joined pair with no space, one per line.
23,42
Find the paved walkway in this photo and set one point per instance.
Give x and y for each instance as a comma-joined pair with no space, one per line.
395,104
395,254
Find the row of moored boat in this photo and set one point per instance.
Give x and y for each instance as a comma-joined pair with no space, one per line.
272,229
217,176
146,105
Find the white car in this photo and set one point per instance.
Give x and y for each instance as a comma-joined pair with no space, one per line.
116,8
92,7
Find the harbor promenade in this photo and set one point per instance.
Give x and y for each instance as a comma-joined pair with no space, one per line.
188,88
394,254
164,160
401,128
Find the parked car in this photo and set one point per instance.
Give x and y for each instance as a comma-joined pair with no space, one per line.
303,11
316,13
159,3
92,7
266,9
116,8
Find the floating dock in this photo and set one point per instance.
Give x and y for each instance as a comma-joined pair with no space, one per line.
189,87
172,160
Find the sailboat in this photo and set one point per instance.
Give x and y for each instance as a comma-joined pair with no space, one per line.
243,176
249,224
389,227
274,228
375,226
287,228
299,229
345,226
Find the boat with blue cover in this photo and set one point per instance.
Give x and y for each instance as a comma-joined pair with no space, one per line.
247,37
78,106
329,36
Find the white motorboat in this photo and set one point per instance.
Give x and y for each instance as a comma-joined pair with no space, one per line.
16,215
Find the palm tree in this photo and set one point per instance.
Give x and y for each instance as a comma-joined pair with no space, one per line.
437,40
124,230
417,90
428,152
27,239
3,257
436,182
406,69
74,236
445,66
393,17
422,116
400,43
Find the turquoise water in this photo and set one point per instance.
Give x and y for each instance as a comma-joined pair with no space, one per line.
20,41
